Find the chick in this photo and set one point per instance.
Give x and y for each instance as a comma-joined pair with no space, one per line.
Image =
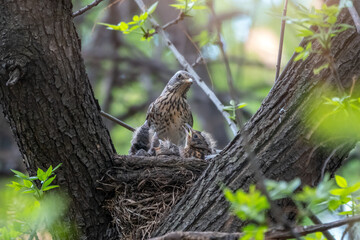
198,144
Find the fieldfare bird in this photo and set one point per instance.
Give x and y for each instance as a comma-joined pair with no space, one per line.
170,112
198,144
167,115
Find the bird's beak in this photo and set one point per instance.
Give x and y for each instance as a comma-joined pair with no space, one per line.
189,80
187,129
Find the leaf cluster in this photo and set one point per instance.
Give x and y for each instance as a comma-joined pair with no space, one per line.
249,206
252,206
187,5
232,109
317,24
137,25
28,184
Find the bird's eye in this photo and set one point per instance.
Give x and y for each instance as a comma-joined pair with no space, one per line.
178,76
196,136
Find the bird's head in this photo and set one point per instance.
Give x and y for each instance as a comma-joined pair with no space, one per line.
179,83
197,139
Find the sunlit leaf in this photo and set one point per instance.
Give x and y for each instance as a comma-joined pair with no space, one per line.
152,8
340,181
318,70
50,187
19,174
337,192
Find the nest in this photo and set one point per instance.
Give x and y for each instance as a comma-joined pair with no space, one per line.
145,189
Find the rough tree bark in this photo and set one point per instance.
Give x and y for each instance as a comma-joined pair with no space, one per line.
49,102
280,137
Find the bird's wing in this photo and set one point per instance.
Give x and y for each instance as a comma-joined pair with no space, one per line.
150,113
191,119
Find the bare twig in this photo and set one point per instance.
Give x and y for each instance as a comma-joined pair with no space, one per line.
175,21
88,7
283,21
230,80
114,119
335,73
314,228
316,220
327,161
188,67
272,234
197,61
355,16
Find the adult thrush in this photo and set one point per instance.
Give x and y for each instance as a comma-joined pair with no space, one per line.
170,112
198,144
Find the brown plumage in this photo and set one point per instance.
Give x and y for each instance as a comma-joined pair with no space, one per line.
141,140
163,148
198,144
169,113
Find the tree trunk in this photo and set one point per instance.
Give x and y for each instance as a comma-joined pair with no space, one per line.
280,137
49,103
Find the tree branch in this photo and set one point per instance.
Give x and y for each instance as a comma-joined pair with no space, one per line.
272,234
355,16
188,67
88,7
278,63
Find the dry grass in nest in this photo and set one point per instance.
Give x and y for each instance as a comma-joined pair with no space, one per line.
137,211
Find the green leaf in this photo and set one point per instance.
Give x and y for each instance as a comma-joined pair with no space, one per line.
136,18
345,213
41,174
48,172
123,26
59,165
318,70
354,187
17,186
19,174
48,182
27,183
332,19
334,204
340,181
241,105
29,191
199,7
299,56
50,187
305,33
152,8
337,191
110,26
178,6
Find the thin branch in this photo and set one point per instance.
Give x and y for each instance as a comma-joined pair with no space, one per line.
88,7
355,16
200,59
114,119
278,63
229,78
175,21
316,220
272,234
323,169
314,228
188,67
